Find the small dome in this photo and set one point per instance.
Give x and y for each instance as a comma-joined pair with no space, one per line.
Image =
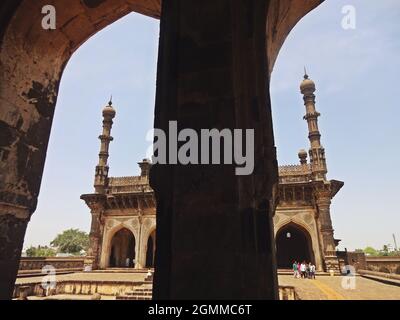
109,110
302,153
307,85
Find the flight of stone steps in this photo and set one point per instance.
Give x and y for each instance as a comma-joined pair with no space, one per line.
143,292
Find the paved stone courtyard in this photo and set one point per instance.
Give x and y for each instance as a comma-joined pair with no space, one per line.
330,288
323,288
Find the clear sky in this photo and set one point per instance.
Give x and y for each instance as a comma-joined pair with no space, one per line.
355,71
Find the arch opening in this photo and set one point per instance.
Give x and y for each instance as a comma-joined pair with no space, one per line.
293,243
150,251
122,250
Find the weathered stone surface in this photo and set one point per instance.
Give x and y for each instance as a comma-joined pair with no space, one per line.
12,232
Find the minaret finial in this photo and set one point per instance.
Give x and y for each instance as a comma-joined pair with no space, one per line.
110,102
305,73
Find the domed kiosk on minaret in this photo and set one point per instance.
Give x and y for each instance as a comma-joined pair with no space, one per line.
307,85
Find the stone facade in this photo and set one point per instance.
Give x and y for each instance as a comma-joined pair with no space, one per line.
302,221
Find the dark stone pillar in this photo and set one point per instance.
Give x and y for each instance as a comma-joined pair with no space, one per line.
95,237
214,228
329,253
13,223
96,203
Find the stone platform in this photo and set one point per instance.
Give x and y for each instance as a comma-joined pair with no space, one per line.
124,285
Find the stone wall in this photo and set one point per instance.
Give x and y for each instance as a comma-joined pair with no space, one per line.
35,265
362,262
383,264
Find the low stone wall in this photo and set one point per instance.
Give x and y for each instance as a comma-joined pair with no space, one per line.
380,274
60,264
383,264
107,288
287,293
111,288
360,261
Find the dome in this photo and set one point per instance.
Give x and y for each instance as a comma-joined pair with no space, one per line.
109,110
302,153
307,85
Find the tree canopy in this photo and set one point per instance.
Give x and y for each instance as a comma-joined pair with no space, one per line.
40,251
71,241
385,251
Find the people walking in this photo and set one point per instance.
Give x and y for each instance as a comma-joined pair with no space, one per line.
295,269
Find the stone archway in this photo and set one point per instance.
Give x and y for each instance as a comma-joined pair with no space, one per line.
235,44
150,249
122,250
293,243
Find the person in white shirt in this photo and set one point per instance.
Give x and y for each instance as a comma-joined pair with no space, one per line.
303,269
312,271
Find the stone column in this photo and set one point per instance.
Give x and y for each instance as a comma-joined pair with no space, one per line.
139,244
96,231
214,228
326,230
13,222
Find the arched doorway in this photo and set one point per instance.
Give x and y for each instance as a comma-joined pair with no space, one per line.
151,246
122,250
293,243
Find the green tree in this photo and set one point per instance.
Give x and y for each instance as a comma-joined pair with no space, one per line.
40,251
371,251
71,241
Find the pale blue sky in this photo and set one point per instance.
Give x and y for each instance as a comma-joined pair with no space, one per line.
356,74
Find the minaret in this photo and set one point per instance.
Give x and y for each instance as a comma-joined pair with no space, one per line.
317,152
144,167
101,176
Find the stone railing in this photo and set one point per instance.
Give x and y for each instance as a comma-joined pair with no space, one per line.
294,173
129,184
60,264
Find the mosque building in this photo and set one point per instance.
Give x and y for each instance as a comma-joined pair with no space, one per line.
123,209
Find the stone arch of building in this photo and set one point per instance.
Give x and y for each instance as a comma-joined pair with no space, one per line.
32,61
293,242
311,229
122,250
107,243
